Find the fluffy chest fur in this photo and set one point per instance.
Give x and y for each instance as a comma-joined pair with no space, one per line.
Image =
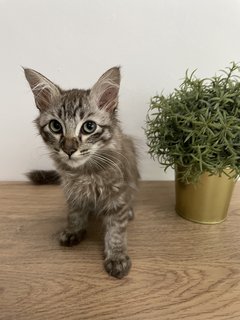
98,193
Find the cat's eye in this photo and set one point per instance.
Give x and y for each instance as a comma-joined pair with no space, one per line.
88,127
55,126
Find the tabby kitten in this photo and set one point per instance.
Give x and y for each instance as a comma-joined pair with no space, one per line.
95,161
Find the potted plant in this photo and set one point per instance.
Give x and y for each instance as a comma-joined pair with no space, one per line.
196,130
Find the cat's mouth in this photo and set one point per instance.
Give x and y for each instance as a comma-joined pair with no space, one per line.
76,159
79,159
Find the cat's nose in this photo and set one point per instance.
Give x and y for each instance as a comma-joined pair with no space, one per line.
70,152
69,145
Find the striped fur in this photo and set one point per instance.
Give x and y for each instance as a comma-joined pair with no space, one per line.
98,170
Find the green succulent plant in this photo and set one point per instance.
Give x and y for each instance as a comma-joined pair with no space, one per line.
196,128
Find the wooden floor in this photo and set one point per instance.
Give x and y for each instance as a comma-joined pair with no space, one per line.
181,270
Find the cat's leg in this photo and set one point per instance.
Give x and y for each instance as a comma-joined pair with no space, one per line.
76,228
117,263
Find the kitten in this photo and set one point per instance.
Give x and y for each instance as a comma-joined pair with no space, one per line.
95,161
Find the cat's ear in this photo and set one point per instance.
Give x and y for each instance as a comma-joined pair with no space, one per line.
44,90
104,93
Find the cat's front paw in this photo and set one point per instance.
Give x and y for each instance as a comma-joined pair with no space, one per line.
118,267
69,238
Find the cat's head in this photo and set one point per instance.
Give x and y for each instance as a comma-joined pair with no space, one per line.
76,124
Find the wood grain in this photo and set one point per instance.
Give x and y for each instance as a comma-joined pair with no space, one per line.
181,270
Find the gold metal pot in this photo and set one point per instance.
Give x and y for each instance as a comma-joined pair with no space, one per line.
207,201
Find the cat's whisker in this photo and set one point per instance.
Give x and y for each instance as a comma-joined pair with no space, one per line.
123,161
94,161
95,164
111,162
99,165
120,154
108,161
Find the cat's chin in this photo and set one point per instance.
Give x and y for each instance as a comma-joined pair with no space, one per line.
71,163
75,163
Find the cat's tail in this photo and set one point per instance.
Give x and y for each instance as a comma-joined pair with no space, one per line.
44,177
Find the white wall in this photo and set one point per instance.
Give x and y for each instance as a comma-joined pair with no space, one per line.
74,41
